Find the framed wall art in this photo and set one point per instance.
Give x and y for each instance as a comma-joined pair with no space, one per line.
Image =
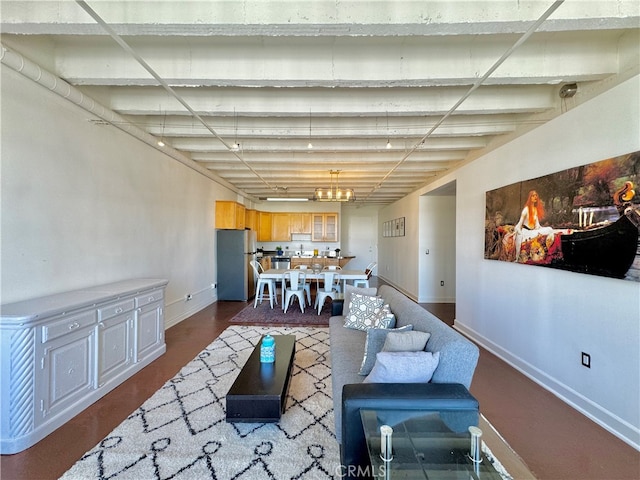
585,219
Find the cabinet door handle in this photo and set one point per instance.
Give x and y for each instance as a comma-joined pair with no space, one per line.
74,325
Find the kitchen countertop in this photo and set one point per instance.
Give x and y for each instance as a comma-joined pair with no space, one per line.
322,256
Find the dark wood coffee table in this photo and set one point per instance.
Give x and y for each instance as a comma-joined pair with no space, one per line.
259,393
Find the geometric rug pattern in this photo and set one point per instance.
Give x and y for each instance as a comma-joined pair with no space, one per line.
181,431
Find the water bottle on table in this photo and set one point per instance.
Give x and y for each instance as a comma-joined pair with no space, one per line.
268,349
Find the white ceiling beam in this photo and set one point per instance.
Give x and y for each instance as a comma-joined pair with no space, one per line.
330,146
345,158
270,102
328,62
322,17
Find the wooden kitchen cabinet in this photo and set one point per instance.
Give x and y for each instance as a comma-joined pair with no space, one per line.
251,219
325,227
264,226
280,224
230,215
300,223
265,262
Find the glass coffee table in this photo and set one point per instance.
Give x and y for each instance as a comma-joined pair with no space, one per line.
424,445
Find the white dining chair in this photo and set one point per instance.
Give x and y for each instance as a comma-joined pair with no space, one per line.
365,282
330,278
293,284
261,283
333,268
307,283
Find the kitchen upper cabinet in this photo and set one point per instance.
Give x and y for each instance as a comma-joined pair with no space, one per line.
251,219
280,225
300,223
325,227
264,226
230,215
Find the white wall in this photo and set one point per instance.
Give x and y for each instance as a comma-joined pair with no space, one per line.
399,257
359,235
84,205
437,236
540,319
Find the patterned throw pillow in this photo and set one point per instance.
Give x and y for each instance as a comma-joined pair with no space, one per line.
385,319
364,312
374,343
350,290
403,367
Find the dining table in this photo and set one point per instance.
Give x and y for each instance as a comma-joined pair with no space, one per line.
345,275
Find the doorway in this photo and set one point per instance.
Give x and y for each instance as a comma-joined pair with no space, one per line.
437,244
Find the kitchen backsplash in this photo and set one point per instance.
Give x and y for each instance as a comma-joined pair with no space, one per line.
291,248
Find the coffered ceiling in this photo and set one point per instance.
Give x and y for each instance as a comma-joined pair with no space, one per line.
391,93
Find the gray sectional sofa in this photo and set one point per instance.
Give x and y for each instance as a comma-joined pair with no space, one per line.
446,390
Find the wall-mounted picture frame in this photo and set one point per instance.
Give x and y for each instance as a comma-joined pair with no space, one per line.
394,228
584,219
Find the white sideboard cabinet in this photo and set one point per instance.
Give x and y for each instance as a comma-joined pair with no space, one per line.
61,353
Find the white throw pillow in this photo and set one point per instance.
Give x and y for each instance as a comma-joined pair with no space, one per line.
364,312
403,367
409,341
373,345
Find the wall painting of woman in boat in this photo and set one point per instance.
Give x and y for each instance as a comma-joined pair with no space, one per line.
585,219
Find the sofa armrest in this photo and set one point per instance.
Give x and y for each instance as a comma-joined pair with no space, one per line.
451,399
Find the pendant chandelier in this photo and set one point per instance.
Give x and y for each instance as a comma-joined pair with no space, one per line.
334,193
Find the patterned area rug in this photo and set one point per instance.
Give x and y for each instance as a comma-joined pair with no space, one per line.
264,314
181,431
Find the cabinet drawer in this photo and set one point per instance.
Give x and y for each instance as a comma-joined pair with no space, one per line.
68,324
149,297
114,309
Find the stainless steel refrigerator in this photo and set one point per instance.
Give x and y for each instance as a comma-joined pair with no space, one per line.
235,249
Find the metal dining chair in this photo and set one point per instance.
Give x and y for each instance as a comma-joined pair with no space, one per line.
307,283
336,284
330,278
293,284
261,283
368,271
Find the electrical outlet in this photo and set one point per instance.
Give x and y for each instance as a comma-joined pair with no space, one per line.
586,360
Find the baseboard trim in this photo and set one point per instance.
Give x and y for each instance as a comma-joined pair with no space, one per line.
179,310
607,420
